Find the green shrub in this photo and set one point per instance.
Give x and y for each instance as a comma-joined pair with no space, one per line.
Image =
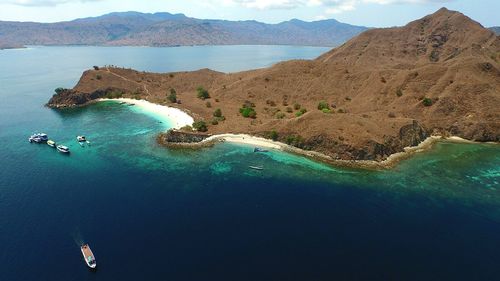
323,105
208,104
248,112
280,115
294,140
215,121
326,110
427,101
399,92
273,135
300,112
172,96
289,109
220,119
186,128
115,94
98,77
202,93
200,126
218,113
60,90
296,106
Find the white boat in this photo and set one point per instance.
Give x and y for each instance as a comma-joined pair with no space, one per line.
38,138
88,256
256,167
51,143
82,140
63,149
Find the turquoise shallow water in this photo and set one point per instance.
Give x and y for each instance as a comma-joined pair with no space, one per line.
151,213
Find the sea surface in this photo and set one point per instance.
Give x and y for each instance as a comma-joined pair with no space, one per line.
150,213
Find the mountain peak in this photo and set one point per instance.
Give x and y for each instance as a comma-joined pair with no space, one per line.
441,36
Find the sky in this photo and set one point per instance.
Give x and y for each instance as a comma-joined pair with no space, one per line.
371,13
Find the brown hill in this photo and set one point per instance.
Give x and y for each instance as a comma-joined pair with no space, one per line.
386,89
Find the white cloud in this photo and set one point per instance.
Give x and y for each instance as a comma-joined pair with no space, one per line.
41,3
267,4
331,6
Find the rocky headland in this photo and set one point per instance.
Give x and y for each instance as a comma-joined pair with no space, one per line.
380,92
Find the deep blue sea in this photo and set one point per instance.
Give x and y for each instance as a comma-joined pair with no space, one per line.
150,213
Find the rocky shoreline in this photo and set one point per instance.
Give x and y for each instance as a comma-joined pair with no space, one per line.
179,139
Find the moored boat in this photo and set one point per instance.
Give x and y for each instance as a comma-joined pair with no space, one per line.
82,140
51,143
38,138
258,149
88,256
256,167
63,149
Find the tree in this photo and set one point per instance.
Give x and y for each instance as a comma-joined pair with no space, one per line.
202,93
218,113
200,126
172,97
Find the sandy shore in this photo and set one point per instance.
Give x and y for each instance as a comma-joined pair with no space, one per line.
247,139
166,114
390,162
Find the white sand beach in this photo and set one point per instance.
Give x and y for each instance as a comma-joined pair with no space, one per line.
247,139
170,115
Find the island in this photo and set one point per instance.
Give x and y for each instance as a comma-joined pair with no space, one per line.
363,102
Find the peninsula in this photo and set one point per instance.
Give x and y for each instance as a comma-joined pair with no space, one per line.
380,92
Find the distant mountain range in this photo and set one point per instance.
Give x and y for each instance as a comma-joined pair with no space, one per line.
165,29
495,29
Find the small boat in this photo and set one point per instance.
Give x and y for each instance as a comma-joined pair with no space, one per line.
51,143
256,167
63,149
258,149
38,138
82,140
88,256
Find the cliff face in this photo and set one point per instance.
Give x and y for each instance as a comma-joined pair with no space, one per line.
383,90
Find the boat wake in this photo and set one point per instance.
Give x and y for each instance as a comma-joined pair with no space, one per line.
78,237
